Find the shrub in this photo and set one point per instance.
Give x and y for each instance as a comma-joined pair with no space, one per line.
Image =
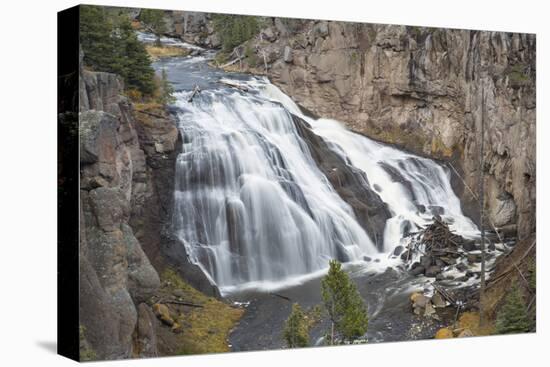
513,318
296,331
342,301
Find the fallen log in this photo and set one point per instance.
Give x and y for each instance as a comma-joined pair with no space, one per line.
182,303
195,91
234,85
151,114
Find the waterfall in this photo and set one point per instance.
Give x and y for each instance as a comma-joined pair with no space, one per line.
252,207
414,188
250,203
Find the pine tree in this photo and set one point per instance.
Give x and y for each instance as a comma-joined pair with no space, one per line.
134,61
110,44
346,309
513,318
166,90
235,29
296,331
96,38
154,20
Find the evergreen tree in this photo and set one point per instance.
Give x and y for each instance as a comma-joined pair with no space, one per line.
235,29
96,38
133,60
154,20
110,44
513,318
347,312
296,331
166,90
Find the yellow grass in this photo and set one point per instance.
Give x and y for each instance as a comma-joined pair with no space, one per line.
206,329
160,52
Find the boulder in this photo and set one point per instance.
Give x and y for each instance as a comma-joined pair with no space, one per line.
177,328
432,271
444,333
429,310
162,312
146,335
438,301
398,250
465,333
417,270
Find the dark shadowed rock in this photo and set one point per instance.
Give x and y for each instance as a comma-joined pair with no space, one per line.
350,183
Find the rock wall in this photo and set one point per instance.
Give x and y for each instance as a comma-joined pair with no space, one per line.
118,185
425,90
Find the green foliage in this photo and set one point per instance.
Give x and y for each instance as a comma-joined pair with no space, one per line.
533,275
166,90
86,353
235,29
518,75
154,20
110,44
296,331
513,318
251,56
343,303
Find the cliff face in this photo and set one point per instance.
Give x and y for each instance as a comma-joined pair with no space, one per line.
117,185
425,90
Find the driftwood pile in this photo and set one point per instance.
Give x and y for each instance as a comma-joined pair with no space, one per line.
439,248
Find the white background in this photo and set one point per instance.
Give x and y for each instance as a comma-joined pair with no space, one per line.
28,181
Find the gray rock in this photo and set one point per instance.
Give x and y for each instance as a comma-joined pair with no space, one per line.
398,250
438,300
146,334
417,270
287,55
432,271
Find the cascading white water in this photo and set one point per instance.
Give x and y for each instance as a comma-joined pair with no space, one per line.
252,207
414,188
250,203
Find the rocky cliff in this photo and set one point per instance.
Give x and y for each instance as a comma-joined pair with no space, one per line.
117,182
426,90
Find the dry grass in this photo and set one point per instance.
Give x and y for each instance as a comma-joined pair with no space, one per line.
206,329
470,320
160,52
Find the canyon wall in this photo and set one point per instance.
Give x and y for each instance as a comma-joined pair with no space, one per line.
125,190
426,90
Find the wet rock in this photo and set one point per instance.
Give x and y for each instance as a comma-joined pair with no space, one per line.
432,271
366,258
417,269
473,258
438,301
469,245
461,267
398,250
350,183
